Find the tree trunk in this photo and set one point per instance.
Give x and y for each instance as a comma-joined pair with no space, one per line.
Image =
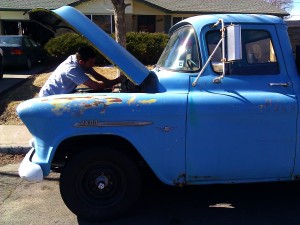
119,17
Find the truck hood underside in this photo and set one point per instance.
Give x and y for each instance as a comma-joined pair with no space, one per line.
69,17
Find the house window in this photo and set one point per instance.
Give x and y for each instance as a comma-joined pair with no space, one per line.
177,19
146,24
105,22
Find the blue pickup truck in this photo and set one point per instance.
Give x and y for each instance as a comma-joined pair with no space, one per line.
221,106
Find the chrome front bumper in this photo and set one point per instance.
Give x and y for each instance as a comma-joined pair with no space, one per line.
30,171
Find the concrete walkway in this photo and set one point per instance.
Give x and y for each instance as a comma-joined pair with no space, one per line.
14,139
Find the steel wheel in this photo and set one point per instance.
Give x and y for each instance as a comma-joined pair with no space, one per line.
100,184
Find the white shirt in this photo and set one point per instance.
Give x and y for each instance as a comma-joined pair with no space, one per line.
65,78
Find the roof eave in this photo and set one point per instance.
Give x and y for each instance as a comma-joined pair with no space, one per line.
155,6
13,10
279,14
227,12
27,9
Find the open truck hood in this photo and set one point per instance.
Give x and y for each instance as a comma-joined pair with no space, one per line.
67,16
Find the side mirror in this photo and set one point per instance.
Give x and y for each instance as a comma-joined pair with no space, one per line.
231,48
234,43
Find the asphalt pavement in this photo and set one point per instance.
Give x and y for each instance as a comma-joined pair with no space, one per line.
22,202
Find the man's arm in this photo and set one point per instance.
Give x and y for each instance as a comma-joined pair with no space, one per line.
103,84
97,76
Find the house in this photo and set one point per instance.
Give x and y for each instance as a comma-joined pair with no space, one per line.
294,31
141,15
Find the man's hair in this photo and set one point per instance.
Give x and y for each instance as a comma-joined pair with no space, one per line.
85,53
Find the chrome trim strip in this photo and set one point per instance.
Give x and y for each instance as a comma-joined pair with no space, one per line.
96,123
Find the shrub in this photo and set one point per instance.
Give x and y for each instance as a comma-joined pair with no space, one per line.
59,48
62,46
146,47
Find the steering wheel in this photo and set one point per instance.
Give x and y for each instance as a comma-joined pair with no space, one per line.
191,63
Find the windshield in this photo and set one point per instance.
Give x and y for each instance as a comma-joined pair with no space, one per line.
181,52
10,41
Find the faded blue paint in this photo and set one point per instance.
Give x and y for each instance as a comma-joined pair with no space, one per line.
198,22
240,130
241,133
242,122
134,107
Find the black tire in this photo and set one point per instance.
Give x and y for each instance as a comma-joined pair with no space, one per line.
100,184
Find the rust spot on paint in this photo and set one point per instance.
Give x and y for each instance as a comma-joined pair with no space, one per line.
80,104
131,100
268,103
113,100
181,180
276,107
93,104
150,101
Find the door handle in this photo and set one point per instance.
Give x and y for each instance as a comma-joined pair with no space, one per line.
279,84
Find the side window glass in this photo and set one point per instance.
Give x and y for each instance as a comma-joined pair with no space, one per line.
27,42
212,39
34,44
181,52
259,57
260,51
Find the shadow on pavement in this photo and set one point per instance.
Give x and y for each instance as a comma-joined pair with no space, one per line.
14,174
247,204
18,93
22,71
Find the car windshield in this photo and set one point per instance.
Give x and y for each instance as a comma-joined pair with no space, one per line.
181,52
10,41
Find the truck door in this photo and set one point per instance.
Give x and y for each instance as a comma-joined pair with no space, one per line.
243,128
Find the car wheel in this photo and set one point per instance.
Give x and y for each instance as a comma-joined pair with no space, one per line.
100,184
28,63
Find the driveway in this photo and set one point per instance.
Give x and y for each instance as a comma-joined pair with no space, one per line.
13,76
249,204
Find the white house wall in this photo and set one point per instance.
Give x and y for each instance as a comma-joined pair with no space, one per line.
159,23
13,15
184,15
142,9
